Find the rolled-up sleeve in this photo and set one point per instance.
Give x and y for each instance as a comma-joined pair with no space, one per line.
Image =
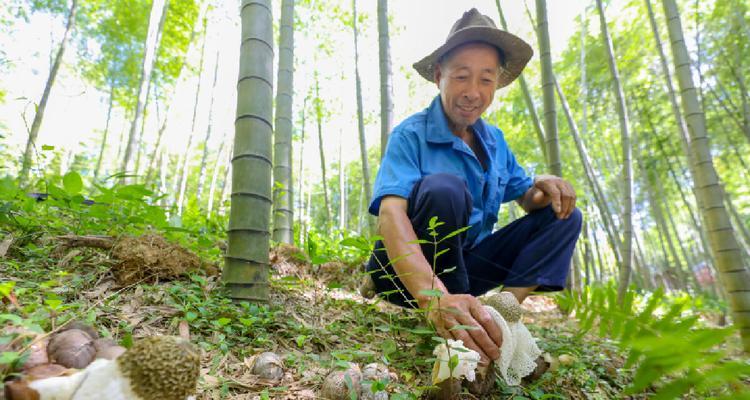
518,181
399,169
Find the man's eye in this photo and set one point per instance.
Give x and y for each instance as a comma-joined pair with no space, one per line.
460,78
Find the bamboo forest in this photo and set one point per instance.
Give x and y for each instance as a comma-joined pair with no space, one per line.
374,199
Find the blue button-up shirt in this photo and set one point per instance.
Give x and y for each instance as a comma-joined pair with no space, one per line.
424,145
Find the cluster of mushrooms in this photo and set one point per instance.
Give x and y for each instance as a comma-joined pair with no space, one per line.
75,364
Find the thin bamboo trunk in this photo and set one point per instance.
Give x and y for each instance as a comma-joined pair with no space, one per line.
739,223
360,116
221,209
301,201
734,276
215,172
283,210
142,130
319,120
246,269
184,165
588,258
204,155
23,177
527,96
386,76
342,184
158,8
554,166
661,223
163,126
627,174
591,178
104,136
215,175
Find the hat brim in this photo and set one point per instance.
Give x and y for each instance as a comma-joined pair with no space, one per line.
516,52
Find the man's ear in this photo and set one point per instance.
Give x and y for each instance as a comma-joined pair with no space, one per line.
437,74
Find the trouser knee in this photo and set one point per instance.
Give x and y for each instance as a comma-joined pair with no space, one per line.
444,196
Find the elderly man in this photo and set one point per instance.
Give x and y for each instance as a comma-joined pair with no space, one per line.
446,162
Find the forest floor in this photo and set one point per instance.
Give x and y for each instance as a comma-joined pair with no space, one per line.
315,321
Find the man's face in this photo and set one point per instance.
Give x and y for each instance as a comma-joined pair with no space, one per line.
467,80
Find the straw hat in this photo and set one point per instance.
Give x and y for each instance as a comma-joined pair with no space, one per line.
476,27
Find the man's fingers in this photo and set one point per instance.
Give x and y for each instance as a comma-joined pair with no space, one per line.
479,336
485,320
571,195
462,335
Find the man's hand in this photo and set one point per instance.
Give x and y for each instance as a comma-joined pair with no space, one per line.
464,309
550,189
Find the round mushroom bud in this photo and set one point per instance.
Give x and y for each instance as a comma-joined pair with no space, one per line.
372,373
449,389
336,386
268,365
72,348
506,304
37,355
107,348
80,325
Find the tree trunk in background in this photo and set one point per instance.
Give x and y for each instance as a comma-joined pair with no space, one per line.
554,166
360,116
661,223
184,164
342,184
627,173
727,253
223,191
596,190
682,129
204,155
120,143
283,214
319,120
215,176
104,136
300,196
39,115
246,268
739,62
180,77
527,96
158,8
739,224
141,131
386,76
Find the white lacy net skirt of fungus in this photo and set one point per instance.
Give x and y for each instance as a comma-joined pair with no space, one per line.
518,352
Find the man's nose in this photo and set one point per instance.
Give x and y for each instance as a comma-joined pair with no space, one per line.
472,91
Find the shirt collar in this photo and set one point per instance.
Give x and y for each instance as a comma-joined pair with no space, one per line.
439,132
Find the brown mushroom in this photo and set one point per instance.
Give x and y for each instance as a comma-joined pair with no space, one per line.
107,348
81,326
72,348
268,365
336,384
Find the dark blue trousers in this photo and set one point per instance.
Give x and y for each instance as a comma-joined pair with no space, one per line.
534,250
